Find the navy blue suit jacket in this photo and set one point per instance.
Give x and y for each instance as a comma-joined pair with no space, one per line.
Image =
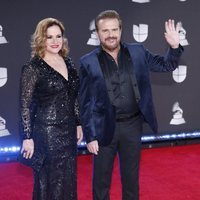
97,113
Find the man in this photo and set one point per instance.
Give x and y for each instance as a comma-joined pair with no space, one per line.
115,99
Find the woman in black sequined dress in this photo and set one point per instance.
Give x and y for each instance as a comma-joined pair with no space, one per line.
50,114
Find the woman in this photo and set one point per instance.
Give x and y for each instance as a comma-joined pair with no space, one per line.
50,114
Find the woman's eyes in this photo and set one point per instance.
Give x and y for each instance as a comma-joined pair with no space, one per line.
57,36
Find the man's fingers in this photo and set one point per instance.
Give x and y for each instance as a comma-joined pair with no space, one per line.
96,149
169,25
93,147
166,27
172,26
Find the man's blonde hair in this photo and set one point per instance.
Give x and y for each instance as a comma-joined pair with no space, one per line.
108,14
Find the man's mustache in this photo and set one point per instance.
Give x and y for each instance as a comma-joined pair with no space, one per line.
111,38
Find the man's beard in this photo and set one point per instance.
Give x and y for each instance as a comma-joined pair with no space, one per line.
110,47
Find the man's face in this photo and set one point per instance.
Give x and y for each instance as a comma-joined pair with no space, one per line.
109,34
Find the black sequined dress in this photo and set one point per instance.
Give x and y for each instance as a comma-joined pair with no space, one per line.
49,114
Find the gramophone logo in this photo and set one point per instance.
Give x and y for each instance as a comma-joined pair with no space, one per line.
180,73
3,130
3,80
178,115
182,35
3,71
140,33
93,40
141,1
2,38
3,76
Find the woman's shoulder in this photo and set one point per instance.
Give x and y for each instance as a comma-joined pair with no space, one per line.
70,63
32,64
71,66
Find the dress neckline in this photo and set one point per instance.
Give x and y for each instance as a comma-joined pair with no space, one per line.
52,69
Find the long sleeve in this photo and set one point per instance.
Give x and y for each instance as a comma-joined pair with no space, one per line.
76,86
27,87
86,105
166,63
77,113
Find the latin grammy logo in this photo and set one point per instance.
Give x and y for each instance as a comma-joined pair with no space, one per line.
3,130
3,76
182,35
180,73
140,33
178,115
3,71
2,38
93,40
3,80
141,1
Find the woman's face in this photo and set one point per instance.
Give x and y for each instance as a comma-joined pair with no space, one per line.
54,40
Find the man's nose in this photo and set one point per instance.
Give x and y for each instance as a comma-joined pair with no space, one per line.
111,33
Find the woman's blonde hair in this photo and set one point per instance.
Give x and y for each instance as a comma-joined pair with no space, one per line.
39,37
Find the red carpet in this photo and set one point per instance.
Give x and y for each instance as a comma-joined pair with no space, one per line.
170,173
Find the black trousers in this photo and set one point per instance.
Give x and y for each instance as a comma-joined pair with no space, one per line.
127,144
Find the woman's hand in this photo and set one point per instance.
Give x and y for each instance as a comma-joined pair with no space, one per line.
79,134
27,148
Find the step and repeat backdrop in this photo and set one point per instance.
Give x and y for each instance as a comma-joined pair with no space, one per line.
176,95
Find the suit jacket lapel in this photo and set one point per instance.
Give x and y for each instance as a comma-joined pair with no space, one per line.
133,74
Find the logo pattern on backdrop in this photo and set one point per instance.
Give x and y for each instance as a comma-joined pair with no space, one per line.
179,75
3,130
182,35
3,80
178,115
147,1
140,33
141,1
2,38
93,40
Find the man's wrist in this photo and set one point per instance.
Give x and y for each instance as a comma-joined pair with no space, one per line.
175,46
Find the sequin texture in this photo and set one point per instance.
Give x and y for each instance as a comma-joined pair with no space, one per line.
49,115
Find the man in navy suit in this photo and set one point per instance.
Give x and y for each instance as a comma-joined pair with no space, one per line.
115,99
